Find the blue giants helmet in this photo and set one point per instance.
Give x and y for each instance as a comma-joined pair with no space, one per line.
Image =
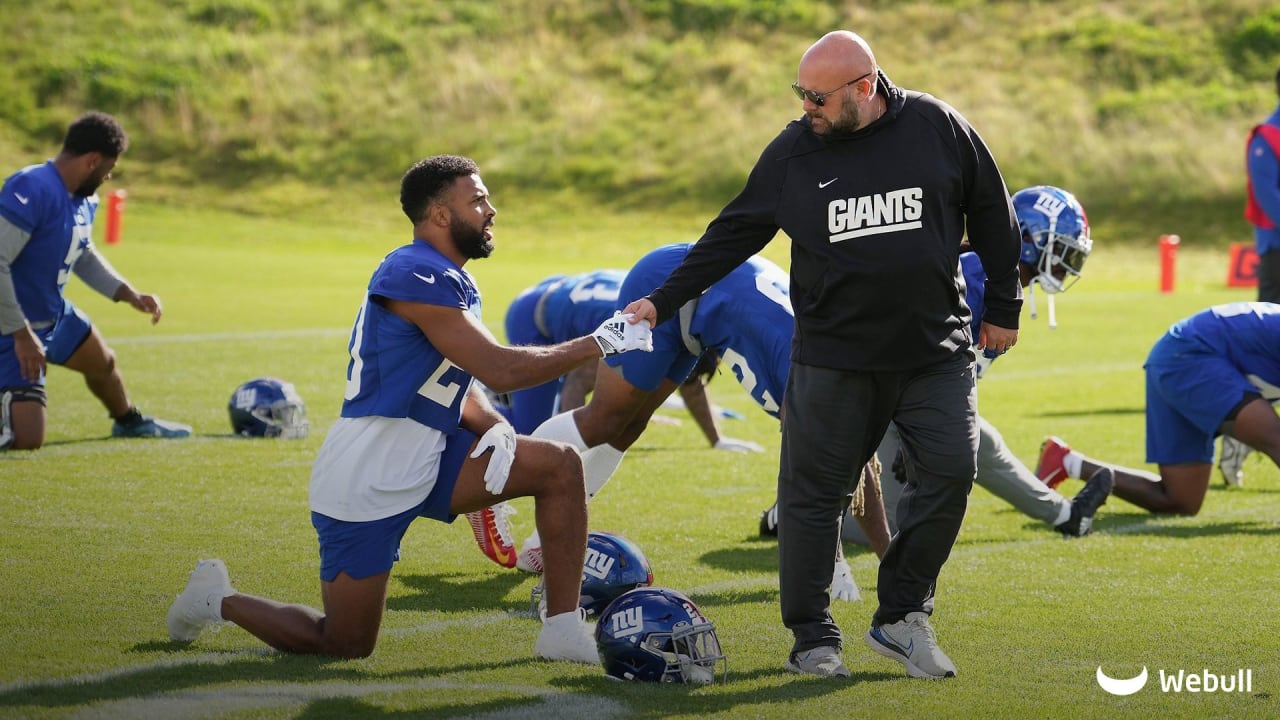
613,565
658,635
268,407
1055,235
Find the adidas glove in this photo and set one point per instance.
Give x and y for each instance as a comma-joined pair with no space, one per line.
502,439
616,335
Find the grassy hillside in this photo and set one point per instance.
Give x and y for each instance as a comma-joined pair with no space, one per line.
1140,106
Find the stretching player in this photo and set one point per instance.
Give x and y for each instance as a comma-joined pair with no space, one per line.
46,226
1055,245
745,319
567,306
1213,373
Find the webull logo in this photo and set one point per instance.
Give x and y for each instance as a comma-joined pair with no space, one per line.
1203,682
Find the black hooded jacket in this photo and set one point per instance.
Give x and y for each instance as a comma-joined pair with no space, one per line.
875,221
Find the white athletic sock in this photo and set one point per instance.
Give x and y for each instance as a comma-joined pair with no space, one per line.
561,427
1071,463
598,466
1064,513
566,620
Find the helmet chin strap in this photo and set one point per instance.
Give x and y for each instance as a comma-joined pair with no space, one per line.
1031,298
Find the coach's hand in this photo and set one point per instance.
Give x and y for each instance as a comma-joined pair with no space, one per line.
642,309
502,439
618,334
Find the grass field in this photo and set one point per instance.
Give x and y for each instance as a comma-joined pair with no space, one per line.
99,534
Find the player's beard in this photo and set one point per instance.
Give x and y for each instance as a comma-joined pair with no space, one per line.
470,240
88,187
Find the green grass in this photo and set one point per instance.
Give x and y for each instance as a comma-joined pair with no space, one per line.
99,534
1140,107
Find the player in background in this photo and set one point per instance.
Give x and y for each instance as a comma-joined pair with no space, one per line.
1262,210
405,445
1055,245
46,230
557,309
746,320
565,306
1213,373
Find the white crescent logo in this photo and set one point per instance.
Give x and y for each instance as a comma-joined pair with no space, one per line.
1121,686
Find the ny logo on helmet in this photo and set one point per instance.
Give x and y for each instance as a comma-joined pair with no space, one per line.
628,622
1050,205
598,564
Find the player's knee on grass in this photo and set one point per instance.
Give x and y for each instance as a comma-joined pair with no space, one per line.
27,422
1184,487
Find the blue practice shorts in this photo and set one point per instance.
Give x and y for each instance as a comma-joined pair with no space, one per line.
670,358
60,340
1191,391
365,549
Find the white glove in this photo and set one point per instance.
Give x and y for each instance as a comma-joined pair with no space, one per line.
502,438
737,446
616,335
842,585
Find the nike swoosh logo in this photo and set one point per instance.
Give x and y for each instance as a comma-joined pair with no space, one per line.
504,559
889,642
428,279
21,199
824,184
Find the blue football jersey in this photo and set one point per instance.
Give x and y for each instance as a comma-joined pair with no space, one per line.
1247,334
975,286
558,309
563,307
61,227
745,317
394,370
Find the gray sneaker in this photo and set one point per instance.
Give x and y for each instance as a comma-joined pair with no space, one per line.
823,661
1231,460
912,642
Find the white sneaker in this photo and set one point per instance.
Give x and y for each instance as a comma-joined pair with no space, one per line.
912,642
567,637
843,586
823,661
200,603
1231,460
530,557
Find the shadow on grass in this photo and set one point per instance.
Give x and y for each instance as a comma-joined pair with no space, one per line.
761,555
458,590
1165,526
659,701
757,557
223,675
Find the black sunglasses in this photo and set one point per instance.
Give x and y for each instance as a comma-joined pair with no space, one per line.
820,99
